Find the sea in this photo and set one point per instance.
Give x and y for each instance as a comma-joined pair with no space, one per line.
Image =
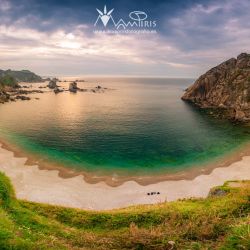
136,126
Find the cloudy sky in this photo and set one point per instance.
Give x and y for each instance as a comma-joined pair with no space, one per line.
57,37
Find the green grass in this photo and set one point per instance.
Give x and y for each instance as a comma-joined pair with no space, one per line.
7,193
213,223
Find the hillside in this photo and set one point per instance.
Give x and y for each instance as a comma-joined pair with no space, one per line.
21,76
225,88
218,222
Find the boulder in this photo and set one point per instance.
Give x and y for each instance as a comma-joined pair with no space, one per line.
73,87
215,192
57,90
22,97
52,84
4,97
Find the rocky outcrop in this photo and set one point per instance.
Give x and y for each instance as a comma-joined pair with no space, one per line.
57,90
52,84
22,97
73,87
4,97
225,88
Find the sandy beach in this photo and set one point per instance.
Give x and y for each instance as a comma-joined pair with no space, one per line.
46,186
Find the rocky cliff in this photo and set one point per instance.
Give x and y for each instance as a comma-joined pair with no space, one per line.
21,76
225,88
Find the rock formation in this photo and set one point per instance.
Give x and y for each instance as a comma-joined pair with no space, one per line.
73,87
52,84
4,97
225,88
57,90
23,97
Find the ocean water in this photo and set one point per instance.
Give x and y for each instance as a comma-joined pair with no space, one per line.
139,127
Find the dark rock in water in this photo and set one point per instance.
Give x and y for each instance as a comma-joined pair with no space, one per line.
26,92
225,87
22,97
52,83
4,97
73,87
57,90
82,90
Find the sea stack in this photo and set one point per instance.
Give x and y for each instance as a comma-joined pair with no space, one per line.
73,87
224,88
52,83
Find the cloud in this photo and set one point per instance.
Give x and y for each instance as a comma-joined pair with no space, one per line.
5,5
190,39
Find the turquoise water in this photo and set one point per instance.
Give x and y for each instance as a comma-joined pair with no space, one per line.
140,127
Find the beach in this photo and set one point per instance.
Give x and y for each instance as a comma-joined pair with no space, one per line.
46,186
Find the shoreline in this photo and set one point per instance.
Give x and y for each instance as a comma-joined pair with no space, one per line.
116,181
46,186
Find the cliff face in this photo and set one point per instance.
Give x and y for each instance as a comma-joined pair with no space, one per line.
225,87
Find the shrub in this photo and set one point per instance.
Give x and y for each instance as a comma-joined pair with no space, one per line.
7,192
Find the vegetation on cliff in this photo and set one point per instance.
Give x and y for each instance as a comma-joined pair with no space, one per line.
9,83
220,221
21,76
225,87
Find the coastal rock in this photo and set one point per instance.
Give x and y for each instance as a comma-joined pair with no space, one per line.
99,89
73,87
57,90
4,97
215,192
52,84
22,97
225,87
26,92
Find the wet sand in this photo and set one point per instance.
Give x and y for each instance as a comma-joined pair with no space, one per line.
35,183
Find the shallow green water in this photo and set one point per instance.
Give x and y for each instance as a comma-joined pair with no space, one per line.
141,127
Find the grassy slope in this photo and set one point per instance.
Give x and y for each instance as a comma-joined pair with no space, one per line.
212,223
